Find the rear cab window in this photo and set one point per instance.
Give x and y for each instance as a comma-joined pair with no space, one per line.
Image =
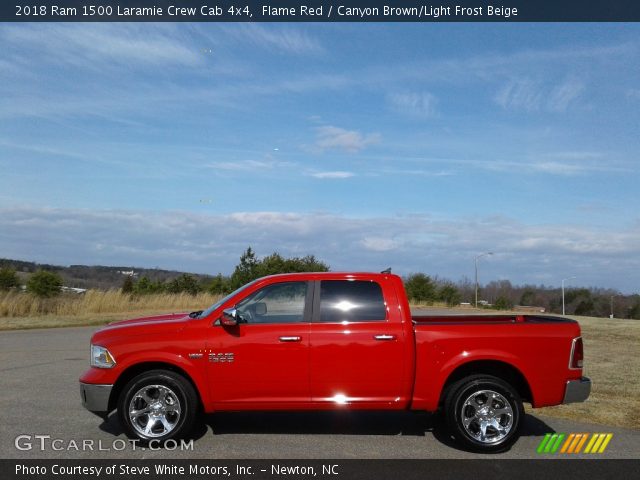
351,301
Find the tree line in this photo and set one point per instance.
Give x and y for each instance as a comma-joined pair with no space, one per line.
95,276
421,288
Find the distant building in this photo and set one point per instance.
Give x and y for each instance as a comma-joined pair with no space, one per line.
529,308
130,273
79,291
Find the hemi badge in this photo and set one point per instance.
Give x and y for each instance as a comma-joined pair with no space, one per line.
195,355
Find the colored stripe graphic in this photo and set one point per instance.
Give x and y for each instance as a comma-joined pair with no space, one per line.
591,443
558,442
600,442
606,442
582,440
573,443
565,447
543,443
550,443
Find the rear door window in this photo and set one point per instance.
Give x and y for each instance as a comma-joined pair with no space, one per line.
351,301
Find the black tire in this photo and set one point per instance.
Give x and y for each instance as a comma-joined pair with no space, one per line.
165,391
477,398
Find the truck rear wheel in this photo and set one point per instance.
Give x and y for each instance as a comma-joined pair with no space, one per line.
157,405
484,413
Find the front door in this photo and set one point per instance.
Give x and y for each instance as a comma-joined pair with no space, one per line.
263,361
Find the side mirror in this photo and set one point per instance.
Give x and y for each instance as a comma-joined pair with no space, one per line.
229,317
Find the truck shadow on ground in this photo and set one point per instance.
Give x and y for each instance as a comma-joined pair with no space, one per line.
330,423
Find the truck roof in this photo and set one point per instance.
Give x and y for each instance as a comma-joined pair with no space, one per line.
331,275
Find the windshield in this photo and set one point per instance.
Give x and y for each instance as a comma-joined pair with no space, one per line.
223,300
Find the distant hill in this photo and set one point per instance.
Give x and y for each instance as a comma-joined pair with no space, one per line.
95,276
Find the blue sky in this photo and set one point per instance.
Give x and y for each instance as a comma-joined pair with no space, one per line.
416,146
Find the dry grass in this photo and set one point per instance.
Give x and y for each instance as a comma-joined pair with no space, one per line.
612,361
58,321
92,304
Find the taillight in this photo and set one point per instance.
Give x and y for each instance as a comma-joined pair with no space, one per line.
577,354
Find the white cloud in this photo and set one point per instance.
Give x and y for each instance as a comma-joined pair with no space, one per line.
634,93
330,175
100,45
213,243
379,244
561,96
280,38
491,66
534,95
335,138
411,103
557,168
522,93
416,172
249,165
570,163
576,155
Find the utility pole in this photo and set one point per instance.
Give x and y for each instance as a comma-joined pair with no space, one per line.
563,280
476,264
612,297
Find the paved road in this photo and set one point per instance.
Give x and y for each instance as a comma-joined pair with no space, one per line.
39,372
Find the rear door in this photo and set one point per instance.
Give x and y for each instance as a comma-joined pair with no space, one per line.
263,361
356,352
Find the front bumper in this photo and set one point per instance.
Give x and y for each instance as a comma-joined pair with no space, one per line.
577,390
95,398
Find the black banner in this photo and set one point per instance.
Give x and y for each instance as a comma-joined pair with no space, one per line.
323,469
319,11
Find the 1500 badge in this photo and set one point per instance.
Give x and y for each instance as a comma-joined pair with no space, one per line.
221,357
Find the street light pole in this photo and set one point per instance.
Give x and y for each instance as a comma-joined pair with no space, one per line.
612,297
476,264
564,280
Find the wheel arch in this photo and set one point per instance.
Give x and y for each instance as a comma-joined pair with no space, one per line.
138,368
497,368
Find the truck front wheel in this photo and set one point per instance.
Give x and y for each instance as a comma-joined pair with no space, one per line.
157,405
483,413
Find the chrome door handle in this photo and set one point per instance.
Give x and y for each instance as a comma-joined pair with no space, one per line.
289,339
384,337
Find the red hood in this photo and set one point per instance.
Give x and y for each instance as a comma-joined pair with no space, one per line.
171,322
154,318
157,324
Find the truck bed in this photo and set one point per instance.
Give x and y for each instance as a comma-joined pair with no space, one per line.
486,319
537,346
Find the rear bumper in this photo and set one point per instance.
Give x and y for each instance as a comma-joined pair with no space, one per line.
95,398
577,390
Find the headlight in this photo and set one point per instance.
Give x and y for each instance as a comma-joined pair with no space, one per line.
101,358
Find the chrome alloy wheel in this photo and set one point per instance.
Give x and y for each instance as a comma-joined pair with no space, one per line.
154,411
487,416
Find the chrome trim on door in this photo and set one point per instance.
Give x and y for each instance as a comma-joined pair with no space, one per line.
384,337
289,339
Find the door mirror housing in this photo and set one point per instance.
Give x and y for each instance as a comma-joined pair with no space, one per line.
229,317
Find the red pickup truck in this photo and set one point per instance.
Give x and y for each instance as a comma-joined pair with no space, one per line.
319,341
